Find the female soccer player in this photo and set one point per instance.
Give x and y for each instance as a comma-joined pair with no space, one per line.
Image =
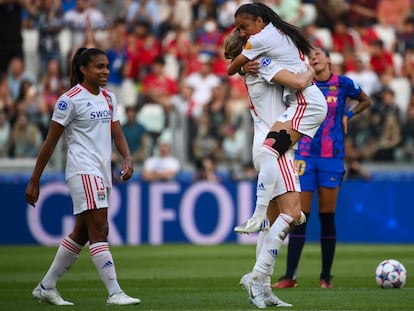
320,164
282,47
266,106
87,114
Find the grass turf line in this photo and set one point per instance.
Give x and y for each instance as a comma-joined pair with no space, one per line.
192,277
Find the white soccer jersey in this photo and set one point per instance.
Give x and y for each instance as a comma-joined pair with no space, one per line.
272,43
275,51
87,119
266,107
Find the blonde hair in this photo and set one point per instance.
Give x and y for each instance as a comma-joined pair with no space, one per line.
233,44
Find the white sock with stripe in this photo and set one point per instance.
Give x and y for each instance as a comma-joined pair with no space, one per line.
271,246
102,259
66,255
265,180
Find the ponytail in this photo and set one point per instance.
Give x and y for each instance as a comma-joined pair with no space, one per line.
295,33
82,57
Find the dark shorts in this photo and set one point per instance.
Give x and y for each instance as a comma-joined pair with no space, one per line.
319,172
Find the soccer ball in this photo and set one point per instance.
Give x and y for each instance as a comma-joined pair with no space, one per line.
391,274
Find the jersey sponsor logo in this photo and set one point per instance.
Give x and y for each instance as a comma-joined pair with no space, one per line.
266,61
101,114
62,105
248,45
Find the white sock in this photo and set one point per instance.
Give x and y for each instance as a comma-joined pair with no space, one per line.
66,255
266,180
271,245
102,259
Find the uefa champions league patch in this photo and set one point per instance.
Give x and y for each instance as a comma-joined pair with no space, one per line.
266,61
62,105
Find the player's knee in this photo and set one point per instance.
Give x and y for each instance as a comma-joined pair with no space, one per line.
282,141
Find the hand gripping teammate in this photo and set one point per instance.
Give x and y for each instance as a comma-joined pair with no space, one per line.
87,115
281,46
266,106
320,164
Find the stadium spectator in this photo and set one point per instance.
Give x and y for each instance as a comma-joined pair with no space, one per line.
52,84
16,75
202,141
30,103
117,55
88,173
158,85
381,60
366,78
5,130
393,12
50,23
329,12
206,169
26,138
363,12
6,99
387,126
209,38
162,166
80,18
113,10
341,38
202,82
136,135
11,46
407,145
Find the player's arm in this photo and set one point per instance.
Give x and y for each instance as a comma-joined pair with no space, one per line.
121,145
294,81
236,64
54,133
363,102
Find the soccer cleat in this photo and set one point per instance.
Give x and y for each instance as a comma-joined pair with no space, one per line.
244,281
50,296
326,284
256,294
253,225
271,300
122,299
285,283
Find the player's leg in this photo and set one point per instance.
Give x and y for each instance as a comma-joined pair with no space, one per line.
66,255
307,173
297,238
277,143
327,202
96,220
330,176
288,198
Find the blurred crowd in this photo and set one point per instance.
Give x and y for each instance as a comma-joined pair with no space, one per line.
169,74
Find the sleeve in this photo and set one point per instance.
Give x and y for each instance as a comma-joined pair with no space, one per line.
255,47
64,110
353,88
268,69
115,113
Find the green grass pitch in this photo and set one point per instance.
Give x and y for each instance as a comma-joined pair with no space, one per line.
192,277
